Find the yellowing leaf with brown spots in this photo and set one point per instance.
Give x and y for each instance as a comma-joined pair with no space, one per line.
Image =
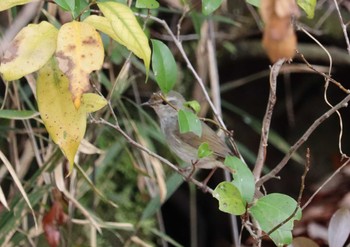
6,4
79,52
29,51
65,123
127,29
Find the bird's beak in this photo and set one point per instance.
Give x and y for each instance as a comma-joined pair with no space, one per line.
146,104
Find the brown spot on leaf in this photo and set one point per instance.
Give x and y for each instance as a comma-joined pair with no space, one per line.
11,52
71,47
90,41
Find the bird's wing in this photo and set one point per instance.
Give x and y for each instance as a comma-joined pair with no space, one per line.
218,147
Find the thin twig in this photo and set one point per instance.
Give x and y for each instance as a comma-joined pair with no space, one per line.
343,26
325,183
303,138
267,119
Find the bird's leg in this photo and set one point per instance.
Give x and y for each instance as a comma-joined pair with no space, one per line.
206,180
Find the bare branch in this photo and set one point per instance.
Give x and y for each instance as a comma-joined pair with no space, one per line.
267,119
303,138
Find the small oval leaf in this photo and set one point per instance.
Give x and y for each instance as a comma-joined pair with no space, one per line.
93,102
147,4
204,150
209,6
194,105
189,122
163,66
243,178
269,211
308,6
230,199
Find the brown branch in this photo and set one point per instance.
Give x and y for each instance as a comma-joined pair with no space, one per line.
347,162
267,119
304,137
328,77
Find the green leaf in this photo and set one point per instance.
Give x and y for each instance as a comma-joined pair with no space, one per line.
204,150
67,5
308,6
209,6
271,210
230,199
163,66
194,105
147,4
128,30
18,115
255,3
189,122
243,178
93,102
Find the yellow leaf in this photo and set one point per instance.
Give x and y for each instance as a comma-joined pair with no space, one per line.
79,52
127,29
6,4
65,123
93,102
29,51
102,24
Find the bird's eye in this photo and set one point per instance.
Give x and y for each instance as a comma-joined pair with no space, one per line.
164,102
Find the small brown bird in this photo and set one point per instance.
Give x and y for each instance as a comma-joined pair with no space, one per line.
185,145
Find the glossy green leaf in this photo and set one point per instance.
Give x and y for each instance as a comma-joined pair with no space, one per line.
255,3
147,4
209,6
230,199
243,178
189,122
308,6
67,5
29,51
270,210
163,66
6,4
204,150
18,115
194,105
128,30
